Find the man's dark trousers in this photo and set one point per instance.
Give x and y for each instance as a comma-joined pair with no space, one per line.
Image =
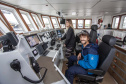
73,69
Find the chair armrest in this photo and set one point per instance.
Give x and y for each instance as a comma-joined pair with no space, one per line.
96,71
119,41
78,47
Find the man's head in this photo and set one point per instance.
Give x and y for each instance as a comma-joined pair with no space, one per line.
99,20
84,37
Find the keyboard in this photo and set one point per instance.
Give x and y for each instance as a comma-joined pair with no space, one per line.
46,52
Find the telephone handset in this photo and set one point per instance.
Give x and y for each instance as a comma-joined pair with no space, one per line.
34,64
15,65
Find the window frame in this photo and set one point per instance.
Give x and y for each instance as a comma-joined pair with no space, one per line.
121,22
83,24
17,17
113,22
38,20
43,16
30,19
90,23
76,23
56,22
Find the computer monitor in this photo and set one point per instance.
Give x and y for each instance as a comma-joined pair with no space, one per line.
32,40
59,33
62,21
45,46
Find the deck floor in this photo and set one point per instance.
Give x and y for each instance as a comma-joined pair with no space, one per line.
108,79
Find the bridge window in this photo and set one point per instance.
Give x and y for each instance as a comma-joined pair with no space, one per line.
115,22
87,23
47,22
74,23
3,27
80,23
124,23
55,23
28,22
13,21
35,17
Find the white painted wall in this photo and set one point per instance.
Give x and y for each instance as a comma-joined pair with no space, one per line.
106,20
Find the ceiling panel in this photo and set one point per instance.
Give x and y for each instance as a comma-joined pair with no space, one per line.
71,1
73,6
26,2
112,0
110,5
38,7
81,7
13,1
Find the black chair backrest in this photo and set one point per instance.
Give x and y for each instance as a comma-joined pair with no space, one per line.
77,38
124,40
106,52
93,33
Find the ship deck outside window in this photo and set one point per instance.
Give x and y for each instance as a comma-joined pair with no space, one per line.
74,23
13,21
28,22
80,23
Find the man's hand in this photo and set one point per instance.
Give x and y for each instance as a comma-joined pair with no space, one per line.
77,62
60,39
64,45
79,56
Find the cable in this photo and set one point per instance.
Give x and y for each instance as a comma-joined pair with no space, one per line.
34,81
96,4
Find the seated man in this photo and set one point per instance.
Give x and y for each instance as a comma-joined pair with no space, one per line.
89,61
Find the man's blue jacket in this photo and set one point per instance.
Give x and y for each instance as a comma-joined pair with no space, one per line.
90,56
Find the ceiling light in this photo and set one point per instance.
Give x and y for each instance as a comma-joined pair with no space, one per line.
74,13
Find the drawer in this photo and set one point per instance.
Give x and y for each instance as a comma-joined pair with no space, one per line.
121,56
115,76
120,64
119,71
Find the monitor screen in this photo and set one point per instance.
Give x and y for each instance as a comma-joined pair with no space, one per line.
62,21
59,33
44,46
32,40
